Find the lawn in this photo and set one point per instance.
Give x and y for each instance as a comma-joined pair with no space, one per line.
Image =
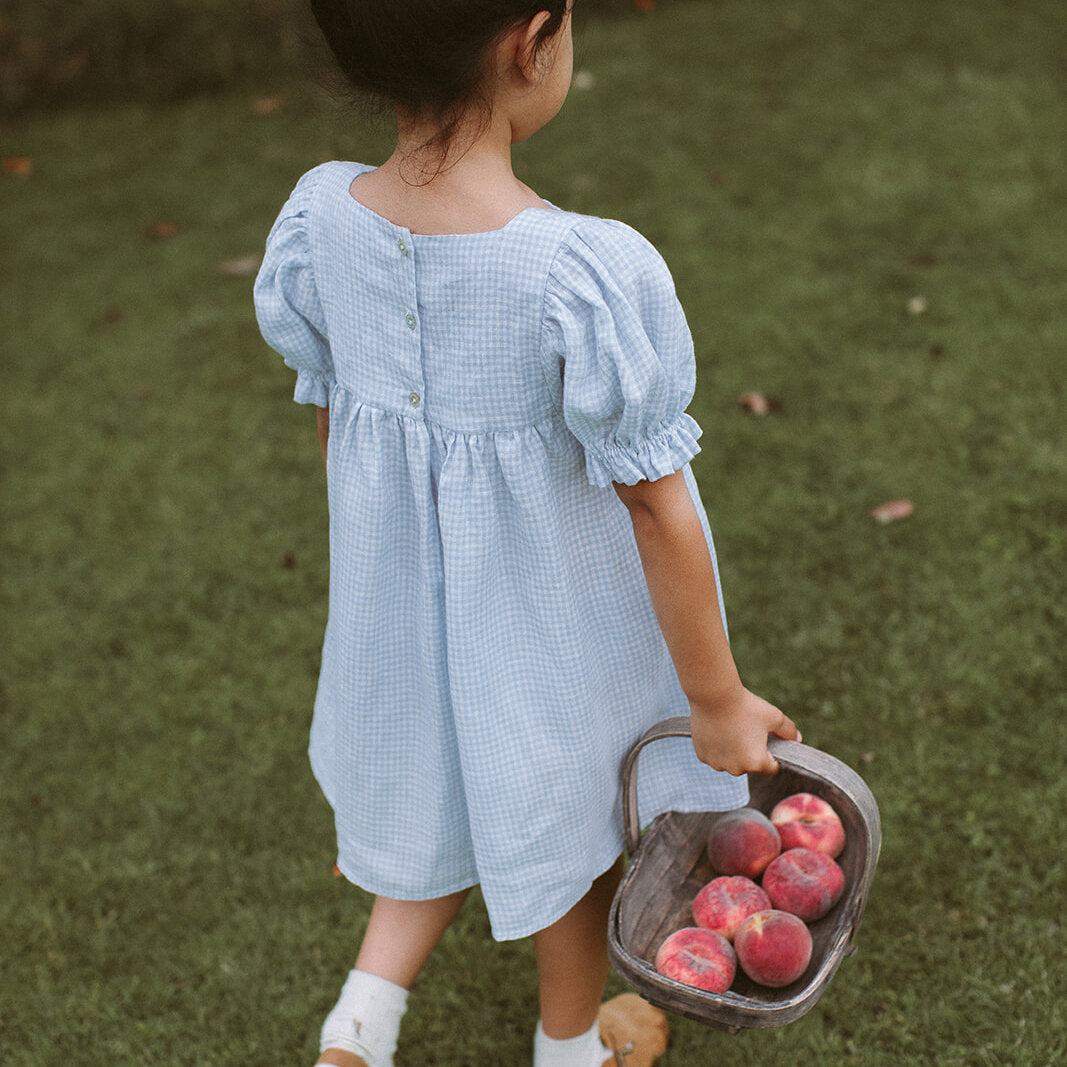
864,212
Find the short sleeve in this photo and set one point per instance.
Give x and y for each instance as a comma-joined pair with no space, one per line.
614,324
288,307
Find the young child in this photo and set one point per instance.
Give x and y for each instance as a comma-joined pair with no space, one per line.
522,576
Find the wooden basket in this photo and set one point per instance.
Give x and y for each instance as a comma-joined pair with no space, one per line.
669,865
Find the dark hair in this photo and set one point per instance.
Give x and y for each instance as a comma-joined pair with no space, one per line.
428,58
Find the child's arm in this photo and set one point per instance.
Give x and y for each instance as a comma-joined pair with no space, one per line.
322,423
730,725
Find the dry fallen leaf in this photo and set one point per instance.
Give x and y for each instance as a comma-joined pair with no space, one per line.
754,402
163,231
758,404
239,268
267,105
20,166
583,79
337,872
892,511
866,757
916,305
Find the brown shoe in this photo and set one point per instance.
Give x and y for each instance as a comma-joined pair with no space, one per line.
635,1031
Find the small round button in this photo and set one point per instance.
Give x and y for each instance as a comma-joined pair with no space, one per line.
414,400
403,246
410,320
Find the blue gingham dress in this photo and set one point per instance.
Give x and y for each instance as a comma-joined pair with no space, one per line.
491,652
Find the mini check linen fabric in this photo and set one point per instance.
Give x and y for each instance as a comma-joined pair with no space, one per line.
491,652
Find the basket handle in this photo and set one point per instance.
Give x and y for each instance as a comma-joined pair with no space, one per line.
678,726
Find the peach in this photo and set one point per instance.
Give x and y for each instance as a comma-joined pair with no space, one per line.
726,902
773,947
699,958
807,821
743,841
804,882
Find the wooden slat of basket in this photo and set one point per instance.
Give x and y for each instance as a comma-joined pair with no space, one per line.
668,876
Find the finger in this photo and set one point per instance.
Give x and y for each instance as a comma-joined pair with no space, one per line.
769,766
787,729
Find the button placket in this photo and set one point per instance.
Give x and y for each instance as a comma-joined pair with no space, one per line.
404,248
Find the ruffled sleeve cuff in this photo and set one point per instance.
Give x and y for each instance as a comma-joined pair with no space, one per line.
663,453
312,389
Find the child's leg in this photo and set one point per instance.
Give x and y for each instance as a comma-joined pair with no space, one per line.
572,961
400,936
576,1030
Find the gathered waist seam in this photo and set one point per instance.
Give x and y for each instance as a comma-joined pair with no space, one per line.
552,415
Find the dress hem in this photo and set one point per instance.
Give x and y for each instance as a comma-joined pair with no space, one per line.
499,933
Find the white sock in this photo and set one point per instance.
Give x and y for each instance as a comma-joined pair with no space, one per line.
585,1050
366,1018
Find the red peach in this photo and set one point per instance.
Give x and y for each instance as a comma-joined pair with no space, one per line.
804,882
743,841
726,902
807,821
773,948
699,958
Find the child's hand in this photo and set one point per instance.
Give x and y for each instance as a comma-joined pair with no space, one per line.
732,736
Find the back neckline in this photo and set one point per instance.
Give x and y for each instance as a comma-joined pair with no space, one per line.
363,168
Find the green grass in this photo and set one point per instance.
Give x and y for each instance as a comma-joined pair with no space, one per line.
806,168
55,52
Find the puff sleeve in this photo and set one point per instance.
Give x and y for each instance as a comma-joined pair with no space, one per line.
288,307
614,326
